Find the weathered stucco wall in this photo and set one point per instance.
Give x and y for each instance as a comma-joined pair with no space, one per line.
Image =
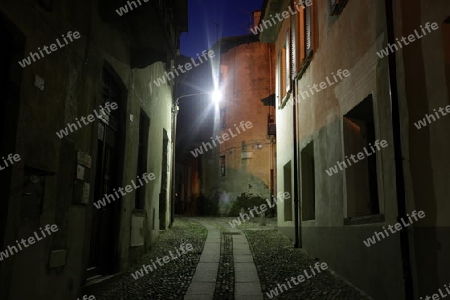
348,41
245,81
351,41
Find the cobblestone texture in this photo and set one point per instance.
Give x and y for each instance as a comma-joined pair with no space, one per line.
225,275
170,281
276,261
275,258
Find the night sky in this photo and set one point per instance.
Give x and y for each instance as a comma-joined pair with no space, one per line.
233,17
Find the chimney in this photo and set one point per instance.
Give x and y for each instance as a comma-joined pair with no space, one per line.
256,17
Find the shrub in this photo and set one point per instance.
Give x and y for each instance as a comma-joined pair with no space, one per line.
245,201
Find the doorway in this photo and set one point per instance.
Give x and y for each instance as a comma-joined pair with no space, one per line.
10,79
11,52
164,183
103,255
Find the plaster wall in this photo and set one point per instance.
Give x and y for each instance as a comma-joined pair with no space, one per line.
245,81
72,89
348,41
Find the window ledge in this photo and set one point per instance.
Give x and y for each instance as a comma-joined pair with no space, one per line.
285,100
364,220
305,64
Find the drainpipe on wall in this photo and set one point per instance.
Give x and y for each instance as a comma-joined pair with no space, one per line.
297,243
174,175
399,175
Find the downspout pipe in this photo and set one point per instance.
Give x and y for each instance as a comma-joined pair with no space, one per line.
297,243
399,175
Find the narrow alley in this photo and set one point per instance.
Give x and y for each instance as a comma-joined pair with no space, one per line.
249,262
224,149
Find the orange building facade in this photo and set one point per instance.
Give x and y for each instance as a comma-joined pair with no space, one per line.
247,156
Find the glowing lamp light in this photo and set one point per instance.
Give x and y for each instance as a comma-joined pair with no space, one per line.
216,96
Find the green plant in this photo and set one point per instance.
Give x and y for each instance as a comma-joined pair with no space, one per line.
245,201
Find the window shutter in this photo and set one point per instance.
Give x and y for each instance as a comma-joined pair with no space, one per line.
288,60
279,81
293,48
308,30
283,73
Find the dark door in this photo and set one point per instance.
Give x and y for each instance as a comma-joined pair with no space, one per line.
104,239
10,77
164,183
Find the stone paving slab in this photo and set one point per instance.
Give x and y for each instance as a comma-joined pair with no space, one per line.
247,284
198,297
208,266
204,281
201,289
244,267
246,276
209,258
249,297
243,258
206,275
248,288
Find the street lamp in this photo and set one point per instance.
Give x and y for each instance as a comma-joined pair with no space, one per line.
216,96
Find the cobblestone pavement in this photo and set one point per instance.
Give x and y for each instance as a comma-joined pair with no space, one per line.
167,282
274,256
277,261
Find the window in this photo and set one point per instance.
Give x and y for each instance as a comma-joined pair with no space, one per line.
300,37
304,35
223,123
144,124
336,6
361,177
308,183
222,166
293,45
287,174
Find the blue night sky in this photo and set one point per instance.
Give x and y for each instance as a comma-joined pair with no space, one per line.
233,17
